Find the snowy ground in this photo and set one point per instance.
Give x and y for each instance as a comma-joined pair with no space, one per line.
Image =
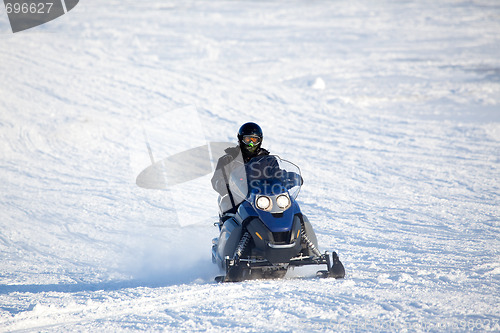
390,108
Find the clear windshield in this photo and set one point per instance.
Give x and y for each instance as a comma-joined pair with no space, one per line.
265,175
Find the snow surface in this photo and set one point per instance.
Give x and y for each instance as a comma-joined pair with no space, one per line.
390,108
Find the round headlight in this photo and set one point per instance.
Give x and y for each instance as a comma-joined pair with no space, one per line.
283,201
263,203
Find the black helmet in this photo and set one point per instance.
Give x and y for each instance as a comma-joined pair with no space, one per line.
250,138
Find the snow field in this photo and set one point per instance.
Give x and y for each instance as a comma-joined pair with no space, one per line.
390,108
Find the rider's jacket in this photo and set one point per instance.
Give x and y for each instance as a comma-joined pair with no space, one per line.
225,166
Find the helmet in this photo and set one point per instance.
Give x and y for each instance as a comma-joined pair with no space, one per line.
250,138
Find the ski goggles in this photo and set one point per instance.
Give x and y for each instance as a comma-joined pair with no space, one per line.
251,140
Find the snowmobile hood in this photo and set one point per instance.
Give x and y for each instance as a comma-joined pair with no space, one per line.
279,222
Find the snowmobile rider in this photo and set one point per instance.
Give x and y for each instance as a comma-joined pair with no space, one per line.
249,146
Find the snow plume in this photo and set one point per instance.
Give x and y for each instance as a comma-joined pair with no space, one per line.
170,163
174,255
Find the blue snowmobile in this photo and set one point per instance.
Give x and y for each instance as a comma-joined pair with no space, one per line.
262,230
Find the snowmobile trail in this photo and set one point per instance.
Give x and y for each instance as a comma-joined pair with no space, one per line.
116,306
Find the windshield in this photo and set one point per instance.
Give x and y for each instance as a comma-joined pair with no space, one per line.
265,175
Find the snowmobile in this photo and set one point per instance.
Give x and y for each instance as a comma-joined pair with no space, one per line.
262,230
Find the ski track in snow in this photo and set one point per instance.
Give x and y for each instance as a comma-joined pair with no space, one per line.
390,108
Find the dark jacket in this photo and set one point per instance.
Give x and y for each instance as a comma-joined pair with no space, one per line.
225,166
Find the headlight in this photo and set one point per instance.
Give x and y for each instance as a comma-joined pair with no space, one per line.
263,203
283,201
